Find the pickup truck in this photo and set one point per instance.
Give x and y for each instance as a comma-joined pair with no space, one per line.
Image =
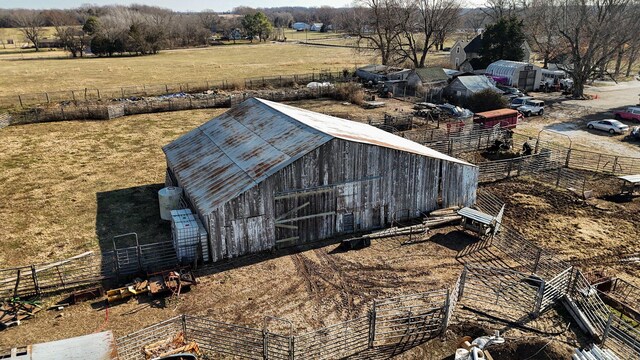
630,113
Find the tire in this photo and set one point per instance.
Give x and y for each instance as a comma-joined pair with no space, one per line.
618,117
527,114
590,126
612,132
541,112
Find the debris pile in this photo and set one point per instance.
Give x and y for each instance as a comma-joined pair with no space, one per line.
170,346
12,312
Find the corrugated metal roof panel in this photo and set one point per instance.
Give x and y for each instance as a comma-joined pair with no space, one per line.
631,178
476,215
498,112
235,151
477,83
357,132
98,346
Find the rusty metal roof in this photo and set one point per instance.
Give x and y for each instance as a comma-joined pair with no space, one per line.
235,151
498,112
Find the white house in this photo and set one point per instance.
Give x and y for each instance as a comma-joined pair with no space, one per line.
316,27
466,50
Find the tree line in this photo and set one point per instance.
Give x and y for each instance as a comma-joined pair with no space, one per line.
586,38
141,29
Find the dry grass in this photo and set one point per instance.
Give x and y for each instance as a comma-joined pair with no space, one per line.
171,66
56,175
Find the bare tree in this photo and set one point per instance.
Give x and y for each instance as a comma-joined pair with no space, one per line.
425,24
592,31
67,28
497,9
542,16
30,24
377,25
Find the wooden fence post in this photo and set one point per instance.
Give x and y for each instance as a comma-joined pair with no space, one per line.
15,288
566,163
20,99
558,178
463,279
539,298
535,265
34,276
372,325
265,344
47,95
607,328
122,91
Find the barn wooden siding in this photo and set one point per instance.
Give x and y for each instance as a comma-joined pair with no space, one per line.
339,187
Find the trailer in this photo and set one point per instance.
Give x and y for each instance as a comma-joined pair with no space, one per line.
506,118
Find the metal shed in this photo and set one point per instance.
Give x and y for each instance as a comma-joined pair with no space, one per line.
265,175
519,74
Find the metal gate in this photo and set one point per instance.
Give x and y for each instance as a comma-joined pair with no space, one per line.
409,318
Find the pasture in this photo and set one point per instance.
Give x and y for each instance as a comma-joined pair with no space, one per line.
225,62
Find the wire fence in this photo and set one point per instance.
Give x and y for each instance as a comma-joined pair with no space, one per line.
114,109
196,86
390,322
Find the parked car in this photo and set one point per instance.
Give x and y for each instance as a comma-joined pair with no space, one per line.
511,92
517,102
610,125
531,107
630,113
455,111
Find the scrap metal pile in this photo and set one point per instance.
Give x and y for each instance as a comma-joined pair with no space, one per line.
173,282
12,312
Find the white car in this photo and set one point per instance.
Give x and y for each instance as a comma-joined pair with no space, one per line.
610,125
531,107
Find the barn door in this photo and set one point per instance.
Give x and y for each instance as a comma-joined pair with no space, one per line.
304,217
287,231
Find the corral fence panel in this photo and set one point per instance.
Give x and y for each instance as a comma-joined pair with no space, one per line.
501,292
622,338
335,341
130,347
220,338
410,318
41,279
556,288
616,332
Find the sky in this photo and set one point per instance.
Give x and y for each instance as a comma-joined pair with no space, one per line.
181,5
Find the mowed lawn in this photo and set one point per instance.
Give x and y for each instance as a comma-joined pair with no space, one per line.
67,185
225,62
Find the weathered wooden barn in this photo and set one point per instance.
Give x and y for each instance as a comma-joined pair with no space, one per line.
265,175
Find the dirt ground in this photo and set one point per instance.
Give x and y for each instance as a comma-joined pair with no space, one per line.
50,172
316,287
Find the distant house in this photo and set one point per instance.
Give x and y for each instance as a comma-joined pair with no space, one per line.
464,50
300,26
379,73
316,27
463,87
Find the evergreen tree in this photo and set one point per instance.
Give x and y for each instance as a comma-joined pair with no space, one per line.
503,41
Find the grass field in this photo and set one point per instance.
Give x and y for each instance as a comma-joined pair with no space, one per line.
171,66
56,174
